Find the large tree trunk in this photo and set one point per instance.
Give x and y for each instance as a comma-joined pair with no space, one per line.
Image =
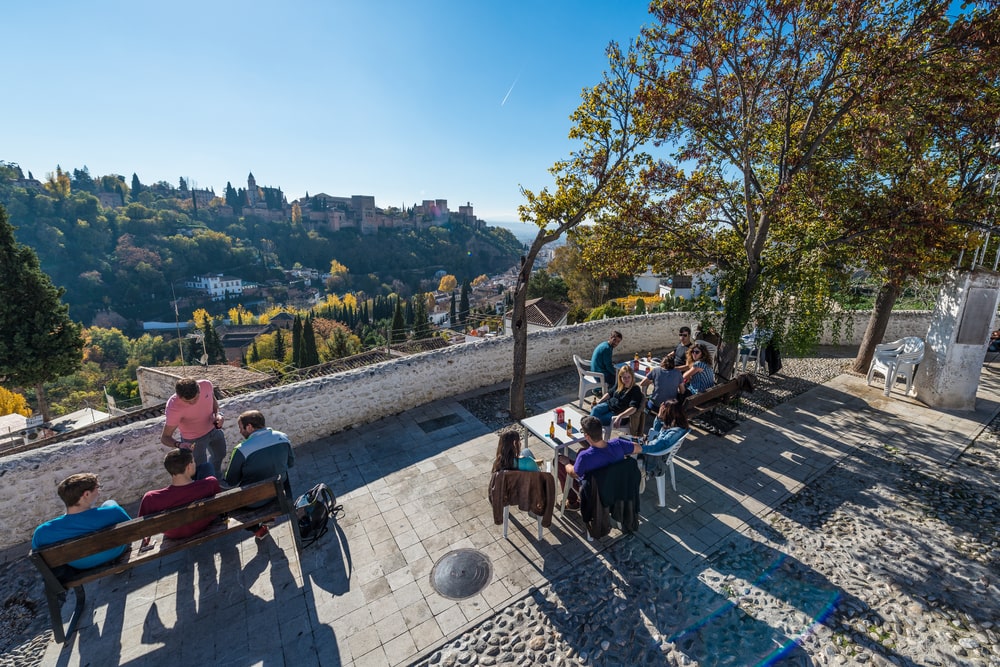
43,402
736,314
877,324
519,328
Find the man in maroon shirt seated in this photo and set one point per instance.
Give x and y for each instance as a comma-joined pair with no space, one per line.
183,489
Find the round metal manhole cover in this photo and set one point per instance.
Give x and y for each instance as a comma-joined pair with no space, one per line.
461,573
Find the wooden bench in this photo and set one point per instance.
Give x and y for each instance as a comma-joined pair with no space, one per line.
720,394
230,506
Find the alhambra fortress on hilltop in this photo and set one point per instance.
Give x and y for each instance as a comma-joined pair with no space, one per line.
319,211
323,211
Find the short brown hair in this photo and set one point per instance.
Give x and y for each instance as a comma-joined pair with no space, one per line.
186,388
73,487
253,418
593,427
177,460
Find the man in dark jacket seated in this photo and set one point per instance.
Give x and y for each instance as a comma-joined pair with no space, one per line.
264,454
612,492
599,454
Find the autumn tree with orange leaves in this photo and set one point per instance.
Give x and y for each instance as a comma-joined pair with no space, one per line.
750,103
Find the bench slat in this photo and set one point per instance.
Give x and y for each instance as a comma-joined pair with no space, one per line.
154,524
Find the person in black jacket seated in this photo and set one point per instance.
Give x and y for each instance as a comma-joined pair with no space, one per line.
597,455
264,454
619,404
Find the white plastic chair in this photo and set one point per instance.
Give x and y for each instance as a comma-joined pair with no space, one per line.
661,480
506,520
589,380
897,360
752,346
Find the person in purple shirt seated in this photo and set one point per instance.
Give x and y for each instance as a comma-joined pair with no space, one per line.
599,454
79,492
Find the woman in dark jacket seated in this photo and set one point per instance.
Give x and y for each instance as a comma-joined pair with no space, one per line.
617,406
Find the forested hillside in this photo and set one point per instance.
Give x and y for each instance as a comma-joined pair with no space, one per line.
126,258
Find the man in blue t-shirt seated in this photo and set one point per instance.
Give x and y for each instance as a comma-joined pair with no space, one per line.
598,455
601,359
79,492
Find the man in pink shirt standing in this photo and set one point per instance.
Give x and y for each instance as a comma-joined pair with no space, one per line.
195,412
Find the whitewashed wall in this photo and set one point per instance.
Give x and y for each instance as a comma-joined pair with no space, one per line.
129,459
851,327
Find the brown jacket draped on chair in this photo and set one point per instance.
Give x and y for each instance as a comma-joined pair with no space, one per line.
533,492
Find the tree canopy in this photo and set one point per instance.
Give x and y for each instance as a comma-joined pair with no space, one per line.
596,176
753,107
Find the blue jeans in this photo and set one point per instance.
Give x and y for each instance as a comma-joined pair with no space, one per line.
210,451
603,412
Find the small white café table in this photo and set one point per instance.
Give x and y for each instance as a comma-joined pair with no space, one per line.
538,426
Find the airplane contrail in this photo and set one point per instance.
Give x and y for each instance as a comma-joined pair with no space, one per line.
510,90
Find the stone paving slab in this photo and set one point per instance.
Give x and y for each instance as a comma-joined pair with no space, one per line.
414,488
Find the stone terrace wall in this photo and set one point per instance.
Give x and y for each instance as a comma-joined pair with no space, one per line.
852,327
129,458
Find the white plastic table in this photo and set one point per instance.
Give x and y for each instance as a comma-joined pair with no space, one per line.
538,426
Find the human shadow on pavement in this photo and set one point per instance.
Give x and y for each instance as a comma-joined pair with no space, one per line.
98,638
278,619
327,562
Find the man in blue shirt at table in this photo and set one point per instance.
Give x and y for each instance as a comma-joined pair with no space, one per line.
79,492
600,360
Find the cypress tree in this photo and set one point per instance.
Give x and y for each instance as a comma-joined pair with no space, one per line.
213,345
421,327
38,340
452,316
279,346
310,355
297,342
254,353
463,304
397,333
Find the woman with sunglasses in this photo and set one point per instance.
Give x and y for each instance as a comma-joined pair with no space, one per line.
699,376
619,404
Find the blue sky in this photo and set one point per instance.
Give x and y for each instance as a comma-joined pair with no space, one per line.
463,100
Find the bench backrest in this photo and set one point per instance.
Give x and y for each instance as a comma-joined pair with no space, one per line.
719,393
128,532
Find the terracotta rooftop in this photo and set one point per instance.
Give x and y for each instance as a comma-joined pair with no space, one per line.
544,313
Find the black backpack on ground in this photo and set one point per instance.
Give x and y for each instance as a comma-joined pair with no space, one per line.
314,509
